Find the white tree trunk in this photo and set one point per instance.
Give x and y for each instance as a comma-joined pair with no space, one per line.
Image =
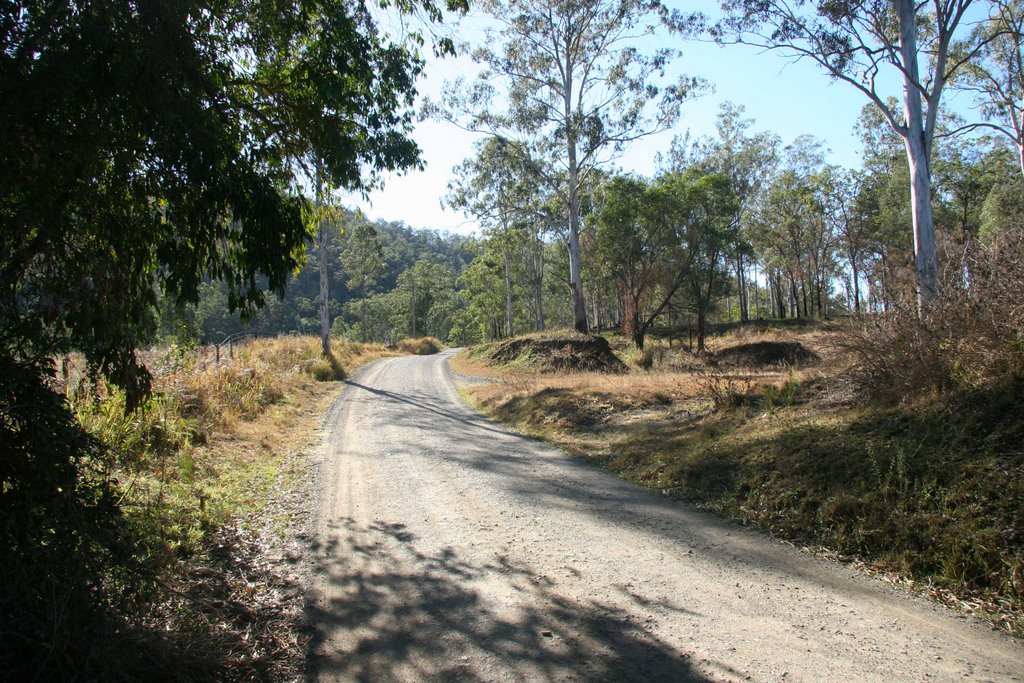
321,242
925,257
508,294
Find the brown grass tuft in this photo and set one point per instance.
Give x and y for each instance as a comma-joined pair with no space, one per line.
422,346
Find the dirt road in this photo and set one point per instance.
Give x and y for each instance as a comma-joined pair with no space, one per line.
450,548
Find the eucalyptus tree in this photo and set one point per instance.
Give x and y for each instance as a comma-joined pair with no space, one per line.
748,160
500,190
698,208
779,235
146,146
828,216
427,290
883,204
860,42
363,263
789,226
840,191
995,74
633,246
574,90
1003,206
663,239
482,317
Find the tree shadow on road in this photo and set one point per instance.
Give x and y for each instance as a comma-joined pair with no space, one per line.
533,473
389,611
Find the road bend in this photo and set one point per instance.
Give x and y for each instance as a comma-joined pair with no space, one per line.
451,548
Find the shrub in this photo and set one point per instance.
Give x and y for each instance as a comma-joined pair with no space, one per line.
69,558
423,346
972,336
641,359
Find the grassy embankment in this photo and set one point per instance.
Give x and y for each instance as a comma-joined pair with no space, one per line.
214,475
929,491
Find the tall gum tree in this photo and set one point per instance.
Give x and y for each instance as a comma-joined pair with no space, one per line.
146,147
996,75
576,91
500,191
748,160
857,42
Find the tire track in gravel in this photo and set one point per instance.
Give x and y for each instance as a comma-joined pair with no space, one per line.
452,549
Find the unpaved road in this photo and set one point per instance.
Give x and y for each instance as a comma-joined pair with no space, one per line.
450,548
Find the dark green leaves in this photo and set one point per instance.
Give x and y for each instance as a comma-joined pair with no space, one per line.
150,145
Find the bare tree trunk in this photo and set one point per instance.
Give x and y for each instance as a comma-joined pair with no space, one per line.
776,297
925,257
741,287
579,308
508,294
757,296
851,256
321,241
884,281
538,290
701,330
794,307
856,284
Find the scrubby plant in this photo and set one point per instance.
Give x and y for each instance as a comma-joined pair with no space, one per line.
71,561
971,336
422,346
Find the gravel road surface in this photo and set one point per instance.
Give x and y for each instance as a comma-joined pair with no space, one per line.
450,548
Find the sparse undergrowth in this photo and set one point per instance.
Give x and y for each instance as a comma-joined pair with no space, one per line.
931,490
204,471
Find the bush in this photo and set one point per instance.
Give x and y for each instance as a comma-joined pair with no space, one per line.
424,346
98,502
972,336
69,558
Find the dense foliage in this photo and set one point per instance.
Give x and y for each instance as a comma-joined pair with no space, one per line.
146,148
379,304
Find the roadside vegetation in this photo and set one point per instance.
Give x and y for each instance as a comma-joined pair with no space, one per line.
422,346
211,475
893,443
134,484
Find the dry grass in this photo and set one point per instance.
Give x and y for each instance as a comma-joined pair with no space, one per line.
208,467
932,491
421,346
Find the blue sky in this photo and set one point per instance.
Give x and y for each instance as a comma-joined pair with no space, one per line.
786,97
